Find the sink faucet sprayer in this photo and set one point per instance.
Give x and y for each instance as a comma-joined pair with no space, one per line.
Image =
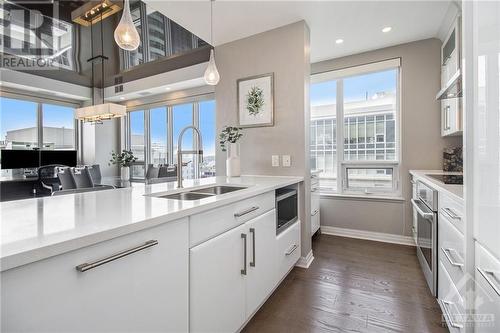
180,152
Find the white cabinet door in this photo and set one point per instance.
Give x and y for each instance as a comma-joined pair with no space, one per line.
486,126
287,250
261,263
217,283
145,291
451,116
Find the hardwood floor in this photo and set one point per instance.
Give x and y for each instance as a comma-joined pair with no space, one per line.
352,286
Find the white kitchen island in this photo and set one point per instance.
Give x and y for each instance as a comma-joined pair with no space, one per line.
127,260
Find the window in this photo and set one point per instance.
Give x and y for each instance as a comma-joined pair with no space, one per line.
366,99
159,152
58,127
207,128
19,121
160,36
163,130
137,144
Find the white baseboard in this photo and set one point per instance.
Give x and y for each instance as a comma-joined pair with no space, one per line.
305,262
368,235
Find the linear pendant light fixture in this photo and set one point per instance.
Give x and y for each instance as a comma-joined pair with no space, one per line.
126,35
97,113
211,76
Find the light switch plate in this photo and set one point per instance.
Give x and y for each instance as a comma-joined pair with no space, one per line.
275,160
286,160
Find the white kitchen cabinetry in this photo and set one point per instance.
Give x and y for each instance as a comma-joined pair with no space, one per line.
217,283
451,117
482,96
315,201
143,291
261,269
288,250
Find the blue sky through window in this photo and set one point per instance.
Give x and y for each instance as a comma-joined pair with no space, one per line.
16,114
356,88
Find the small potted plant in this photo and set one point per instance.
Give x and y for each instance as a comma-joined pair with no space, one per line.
228,140
123,160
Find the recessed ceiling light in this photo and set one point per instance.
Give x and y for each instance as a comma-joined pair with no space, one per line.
339,41
386,29
122,98
168,88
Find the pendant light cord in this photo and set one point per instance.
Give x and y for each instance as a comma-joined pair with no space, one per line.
102,58
92,56
212,23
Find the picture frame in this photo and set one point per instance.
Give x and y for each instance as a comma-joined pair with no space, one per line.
255,100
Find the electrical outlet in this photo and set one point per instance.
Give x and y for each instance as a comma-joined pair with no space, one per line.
286,160
275,160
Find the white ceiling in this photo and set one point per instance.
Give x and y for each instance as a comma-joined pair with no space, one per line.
358,23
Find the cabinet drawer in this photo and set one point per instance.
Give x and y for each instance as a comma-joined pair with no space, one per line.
487,276
288,249
314,183
451,210
209,224
451,302
315,222
144,291
451,252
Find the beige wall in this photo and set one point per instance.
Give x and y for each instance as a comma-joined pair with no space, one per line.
421,140
285,52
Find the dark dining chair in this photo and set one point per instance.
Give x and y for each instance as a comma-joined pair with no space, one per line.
95,173
66,178
152,172
47,175
82,178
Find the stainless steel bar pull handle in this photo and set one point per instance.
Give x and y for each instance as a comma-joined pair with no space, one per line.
486,274
451,213
448,314
292,250
246,211
86,266
315,212
447,254
244,270
252,231
417,205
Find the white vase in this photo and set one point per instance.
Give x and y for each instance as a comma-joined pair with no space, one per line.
125,173
233,165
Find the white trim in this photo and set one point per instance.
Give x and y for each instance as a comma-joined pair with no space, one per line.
305,262
368,235
356,70
360,196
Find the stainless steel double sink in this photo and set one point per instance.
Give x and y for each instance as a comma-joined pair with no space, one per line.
201,193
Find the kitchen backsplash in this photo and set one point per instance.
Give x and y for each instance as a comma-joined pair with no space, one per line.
452,159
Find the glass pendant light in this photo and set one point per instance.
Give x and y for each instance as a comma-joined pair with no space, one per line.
126,35
211,76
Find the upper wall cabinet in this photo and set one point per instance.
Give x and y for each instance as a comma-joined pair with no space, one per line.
451,90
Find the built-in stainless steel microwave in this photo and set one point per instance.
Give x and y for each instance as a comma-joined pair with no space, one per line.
286,208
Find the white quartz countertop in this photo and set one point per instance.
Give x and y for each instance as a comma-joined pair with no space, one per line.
455,190
35,229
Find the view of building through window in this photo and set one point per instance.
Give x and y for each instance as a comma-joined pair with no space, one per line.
164,136
19,125
160,36
369,112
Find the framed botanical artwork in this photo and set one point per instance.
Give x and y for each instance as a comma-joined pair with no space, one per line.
256,101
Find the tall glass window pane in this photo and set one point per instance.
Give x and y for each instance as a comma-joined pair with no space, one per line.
158,132
182,40
137,143
136,57
183,116
58,127
324,132
370,101
207,128
157,39
18,124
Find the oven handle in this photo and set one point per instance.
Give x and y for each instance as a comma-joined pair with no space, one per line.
417,205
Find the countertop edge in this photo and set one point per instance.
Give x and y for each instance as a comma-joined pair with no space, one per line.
439,186
48,251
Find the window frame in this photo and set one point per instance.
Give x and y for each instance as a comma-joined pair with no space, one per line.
169,105
343,165
40,101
